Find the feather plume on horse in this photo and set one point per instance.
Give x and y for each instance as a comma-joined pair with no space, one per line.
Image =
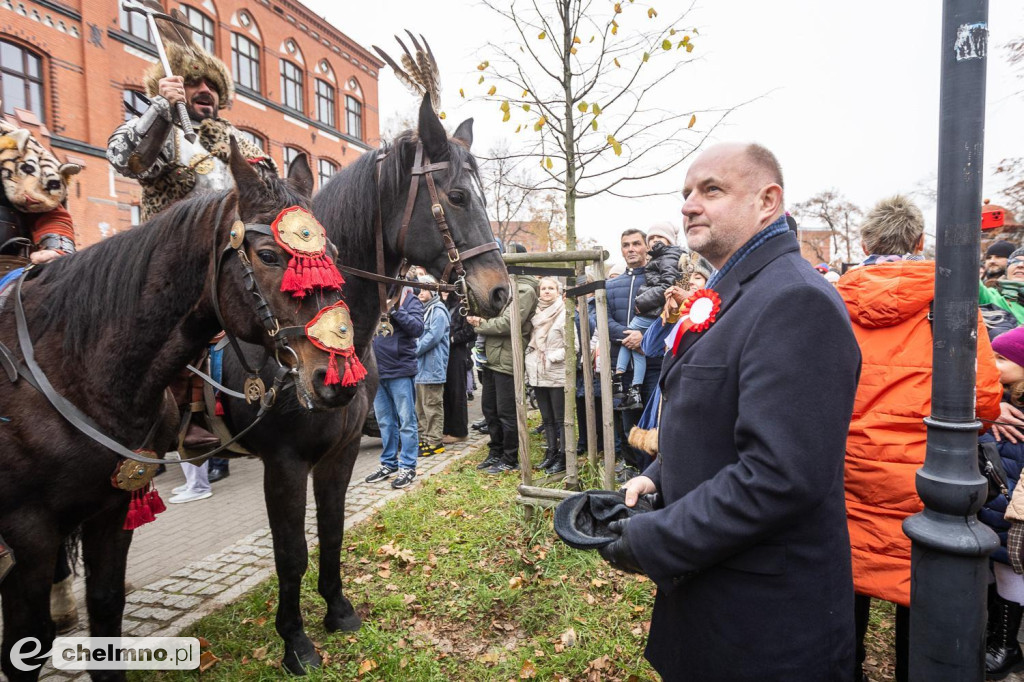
418,71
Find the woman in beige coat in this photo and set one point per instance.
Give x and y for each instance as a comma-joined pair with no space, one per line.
545,370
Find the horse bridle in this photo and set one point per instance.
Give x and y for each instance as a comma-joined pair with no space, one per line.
421,166
30,370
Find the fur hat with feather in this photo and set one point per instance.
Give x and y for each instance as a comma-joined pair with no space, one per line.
188,60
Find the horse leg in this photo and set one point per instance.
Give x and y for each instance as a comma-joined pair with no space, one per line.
284,487
105,554
25,594
331,476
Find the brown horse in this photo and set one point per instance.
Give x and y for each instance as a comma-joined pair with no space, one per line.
373,193
111,327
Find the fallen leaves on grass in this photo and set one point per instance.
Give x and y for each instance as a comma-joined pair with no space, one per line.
366,665
568,638
528,671
207,660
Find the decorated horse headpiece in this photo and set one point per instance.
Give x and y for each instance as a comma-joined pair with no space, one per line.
310,269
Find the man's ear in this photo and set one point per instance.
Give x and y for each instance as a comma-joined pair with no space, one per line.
771,200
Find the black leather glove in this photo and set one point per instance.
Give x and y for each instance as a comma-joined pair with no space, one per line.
618,553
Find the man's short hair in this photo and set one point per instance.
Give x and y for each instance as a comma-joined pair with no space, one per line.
893,227
633,230
764,160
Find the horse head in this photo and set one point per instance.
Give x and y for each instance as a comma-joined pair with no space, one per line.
257,303
462,206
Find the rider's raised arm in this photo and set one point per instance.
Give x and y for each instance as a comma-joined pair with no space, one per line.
143,147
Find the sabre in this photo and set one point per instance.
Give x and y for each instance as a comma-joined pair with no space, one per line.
132,6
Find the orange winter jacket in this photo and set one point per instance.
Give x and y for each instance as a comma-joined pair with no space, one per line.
889,305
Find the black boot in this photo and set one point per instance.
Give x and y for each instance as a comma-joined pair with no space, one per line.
618,386
551,451
632,401
1003,655
558,466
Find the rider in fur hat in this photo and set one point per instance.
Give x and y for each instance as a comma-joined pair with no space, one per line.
152,147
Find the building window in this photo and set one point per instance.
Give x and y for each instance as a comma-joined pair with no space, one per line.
21,77
290,154
325,169
204,28
135,104
135,24
245,60
324,102
354,117
291,85
252,137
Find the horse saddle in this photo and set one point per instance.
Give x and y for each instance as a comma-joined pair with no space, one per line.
203,408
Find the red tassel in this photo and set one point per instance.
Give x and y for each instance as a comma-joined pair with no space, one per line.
218,407
332,372
143,508
292,281
354,371
156,503
131,519
145,514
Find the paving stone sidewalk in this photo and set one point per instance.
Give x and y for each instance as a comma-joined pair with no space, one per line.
184,570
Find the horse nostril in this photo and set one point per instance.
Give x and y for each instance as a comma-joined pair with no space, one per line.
499,297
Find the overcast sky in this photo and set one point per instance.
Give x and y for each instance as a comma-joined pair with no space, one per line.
850,90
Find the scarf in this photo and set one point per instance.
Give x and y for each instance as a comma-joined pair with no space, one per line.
780,226
543,320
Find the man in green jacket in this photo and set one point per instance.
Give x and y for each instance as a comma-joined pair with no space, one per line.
498,397
1006,293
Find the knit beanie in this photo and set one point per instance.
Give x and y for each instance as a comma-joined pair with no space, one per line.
616,270
1017,255
1000,249
1011,345
666,230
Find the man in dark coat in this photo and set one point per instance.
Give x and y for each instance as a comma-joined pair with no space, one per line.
750,551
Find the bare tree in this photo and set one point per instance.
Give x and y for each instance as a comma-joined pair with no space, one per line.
842,218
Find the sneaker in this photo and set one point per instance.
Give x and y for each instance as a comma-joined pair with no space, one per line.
632,401
618,390
451,440
180,489
404,478
189,497
489,462
501,467
382,473
430,450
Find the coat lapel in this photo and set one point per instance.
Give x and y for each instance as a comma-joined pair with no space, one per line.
731,288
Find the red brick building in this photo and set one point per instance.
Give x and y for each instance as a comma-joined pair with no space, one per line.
67,68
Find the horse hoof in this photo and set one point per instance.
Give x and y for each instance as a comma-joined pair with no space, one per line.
349,623
300,664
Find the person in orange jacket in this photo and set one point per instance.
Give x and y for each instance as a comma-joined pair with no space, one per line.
889,299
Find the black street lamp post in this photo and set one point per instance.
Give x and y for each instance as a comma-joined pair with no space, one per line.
949,559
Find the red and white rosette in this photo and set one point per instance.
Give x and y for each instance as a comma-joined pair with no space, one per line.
697,313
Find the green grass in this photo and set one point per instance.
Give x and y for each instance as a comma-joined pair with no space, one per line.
452,583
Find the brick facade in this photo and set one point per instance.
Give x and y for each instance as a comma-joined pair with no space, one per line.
88,60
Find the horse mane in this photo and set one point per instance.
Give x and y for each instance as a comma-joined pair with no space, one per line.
100,289
347,204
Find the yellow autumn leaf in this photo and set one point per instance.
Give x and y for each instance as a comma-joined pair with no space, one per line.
592,38
525,93
543,35
689,47
506,117
593,124
646,56
572,50
442,116
526,107
493,90
671,31
576,40
666,44
618,8
616,147
595,109
693,120
686,39
651,13
504,106
616,60
515,582
462,93
528,671
548,163
480,81
519,127
366,666
583,106
482,65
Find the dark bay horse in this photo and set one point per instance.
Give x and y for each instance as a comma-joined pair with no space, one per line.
292,443
111,327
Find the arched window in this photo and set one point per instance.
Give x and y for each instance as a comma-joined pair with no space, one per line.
291,85
353,117
135,104
245,62
325,102
325,169
253,137
21,79
205,28
290,154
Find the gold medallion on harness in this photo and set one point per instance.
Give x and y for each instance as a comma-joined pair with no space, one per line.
254,390
131,475
332,329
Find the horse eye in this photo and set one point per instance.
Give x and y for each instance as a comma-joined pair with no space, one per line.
457,197
268,257
53,185
28,168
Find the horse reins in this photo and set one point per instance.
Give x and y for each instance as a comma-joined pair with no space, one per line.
421,166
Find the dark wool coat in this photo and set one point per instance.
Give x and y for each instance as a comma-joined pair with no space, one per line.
621,293
991,514
751,554
659,274
396,354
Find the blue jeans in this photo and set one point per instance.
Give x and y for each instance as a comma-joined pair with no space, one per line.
395,407
639,359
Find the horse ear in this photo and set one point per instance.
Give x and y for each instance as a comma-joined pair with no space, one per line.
432,133
300,176
464,133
